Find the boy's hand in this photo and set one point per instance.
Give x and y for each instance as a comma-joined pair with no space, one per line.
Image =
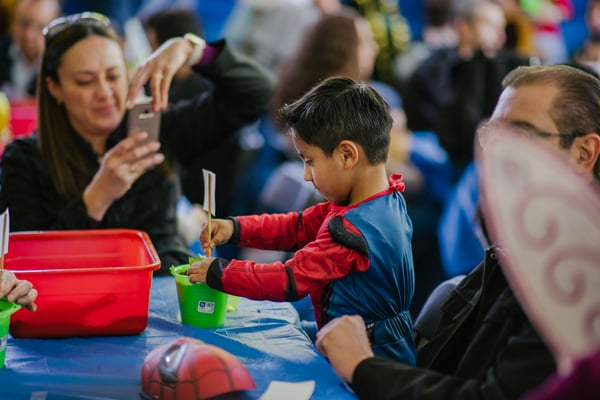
221,231
197,271
17,291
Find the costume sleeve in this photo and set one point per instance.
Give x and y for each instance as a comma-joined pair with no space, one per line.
285,232
309,270
242,90
522,364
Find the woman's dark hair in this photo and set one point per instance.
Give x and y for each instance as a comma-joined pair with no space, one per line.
329,48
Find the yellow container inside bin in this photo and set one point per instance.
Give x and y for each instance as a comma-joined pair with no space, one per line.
199,305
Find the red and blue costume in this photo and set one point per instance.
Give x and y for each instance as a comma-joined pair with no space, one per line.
350,259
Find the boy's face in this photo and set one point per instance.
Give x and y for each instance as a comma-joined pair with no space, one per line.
325,172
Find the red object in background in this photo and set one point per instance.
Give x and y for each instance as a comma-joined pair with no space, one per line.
22,122
23,118
190,369
90,282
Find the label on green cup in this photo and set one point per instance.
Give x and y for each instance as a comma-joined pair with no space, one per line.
3,342
206,307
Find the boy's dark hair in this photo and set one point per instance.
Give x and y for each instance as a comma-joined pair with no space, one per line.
341,109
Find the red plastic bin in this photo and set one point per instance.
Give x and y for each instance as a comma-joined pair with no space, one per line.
90,282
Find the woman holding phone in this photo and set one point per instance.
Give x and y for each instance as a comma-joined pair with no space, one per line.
81,169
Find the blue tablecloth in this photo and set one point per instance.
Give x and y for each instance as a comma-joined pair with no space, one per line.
263,335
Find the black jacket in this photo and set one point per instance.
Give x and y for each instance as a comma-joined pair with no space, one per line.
484,348
188,130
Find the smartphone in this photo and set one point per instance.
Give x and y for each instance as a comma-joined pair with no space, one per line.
143,118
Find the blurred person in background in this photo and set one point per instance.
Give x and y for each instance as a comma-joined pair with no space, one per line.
438,31
457,86
174,22
548,37
588,54
391,32
519,27
21,51
270,31
592,17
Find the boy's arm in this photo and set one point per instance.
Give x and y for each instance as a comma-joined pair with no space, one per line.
285,232
312,267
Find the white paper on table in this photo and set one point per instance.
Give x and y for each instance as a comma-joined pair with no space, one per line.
5,232
210,180
544,216
278,390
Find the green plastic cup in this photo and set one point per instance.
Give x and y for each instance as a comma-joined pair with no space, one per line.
199,305
6,310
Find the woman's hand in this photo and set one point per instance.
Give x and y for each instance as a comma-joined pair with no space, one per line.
159,68
220,233
121,166
17,291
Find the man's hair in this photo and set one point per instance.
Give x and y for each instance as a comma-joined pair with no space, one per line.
341,109
577,106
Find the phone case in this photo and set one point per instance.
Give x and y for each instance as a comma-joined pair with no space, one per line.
143,118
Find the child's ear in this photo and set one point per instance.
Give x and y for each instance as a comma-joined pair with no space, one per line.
348,152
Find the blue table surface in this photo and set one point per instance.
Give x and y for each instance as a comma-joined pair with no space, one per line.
263,335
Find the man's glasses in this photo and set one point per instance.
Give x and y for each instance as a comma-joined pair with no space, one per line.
84,18
490,127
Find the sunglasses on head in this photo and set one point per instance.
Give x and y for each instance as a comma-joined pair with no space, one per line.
85,18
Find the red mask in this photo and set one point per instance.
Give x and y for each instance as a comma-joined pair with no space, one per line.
190,369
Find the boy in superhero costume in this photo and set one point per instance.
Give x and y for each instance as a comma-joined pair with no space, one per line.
353,252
